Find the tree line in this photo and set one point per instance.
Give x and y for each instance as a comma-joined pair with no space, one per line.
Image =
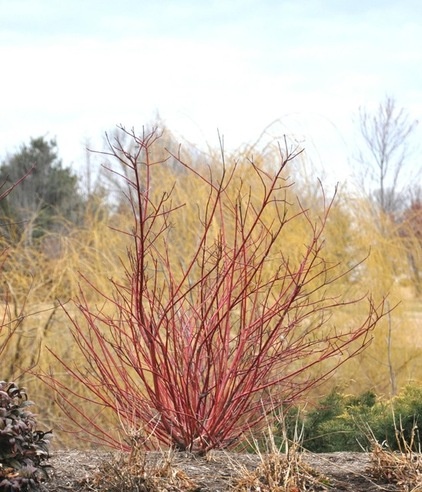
50,198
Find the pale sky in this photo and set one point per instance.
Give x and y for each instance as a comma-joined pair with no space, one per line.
73,69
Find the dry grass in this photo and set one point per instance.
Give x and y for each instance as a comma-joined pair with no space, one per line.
276,472
132,472
280,472
281,467
402,468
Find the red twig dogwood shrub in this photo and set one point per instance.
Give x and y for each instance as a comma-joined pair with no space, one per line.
198,349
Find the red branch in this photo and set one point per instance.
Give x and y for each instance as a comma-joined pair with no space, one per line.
198,354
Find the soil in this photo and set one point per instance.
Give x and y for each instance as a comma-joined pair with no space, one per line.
83,471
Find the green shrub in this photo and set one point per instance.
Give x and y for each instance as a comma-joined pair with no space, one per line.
22,448
351,423
341,422
405,419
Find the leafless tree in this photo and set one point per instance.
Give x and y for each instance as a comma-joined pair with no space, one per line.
386,146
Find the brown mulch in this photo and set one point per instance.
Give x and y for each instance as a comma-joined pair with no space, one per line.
78,471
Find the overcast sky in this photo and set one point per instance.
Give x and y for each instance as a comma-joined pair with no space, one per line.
73,69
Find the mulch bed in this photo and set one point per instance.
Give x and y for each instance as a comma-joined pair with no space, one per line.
79,471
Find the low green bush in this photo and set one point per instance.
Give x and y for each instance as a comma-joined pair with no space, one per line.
340,422
350,423
405,418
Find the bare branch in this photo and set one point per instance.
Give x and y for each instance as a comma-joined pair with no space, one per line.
200,350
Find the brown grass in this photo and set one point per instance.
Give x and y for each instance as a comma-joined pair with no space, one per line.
402,468
127,473
280,472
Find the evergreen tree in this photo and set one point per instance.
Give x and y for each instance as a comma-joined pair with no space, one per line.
46,196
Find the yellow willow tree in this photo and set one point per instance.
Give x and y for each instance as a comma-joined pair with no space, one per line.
199,345
9,319
38,277
392,359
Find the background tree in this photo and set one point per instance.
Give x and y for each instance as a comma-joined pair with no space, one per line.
410,229
49,191
383,226
386,141
116,182
8,324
